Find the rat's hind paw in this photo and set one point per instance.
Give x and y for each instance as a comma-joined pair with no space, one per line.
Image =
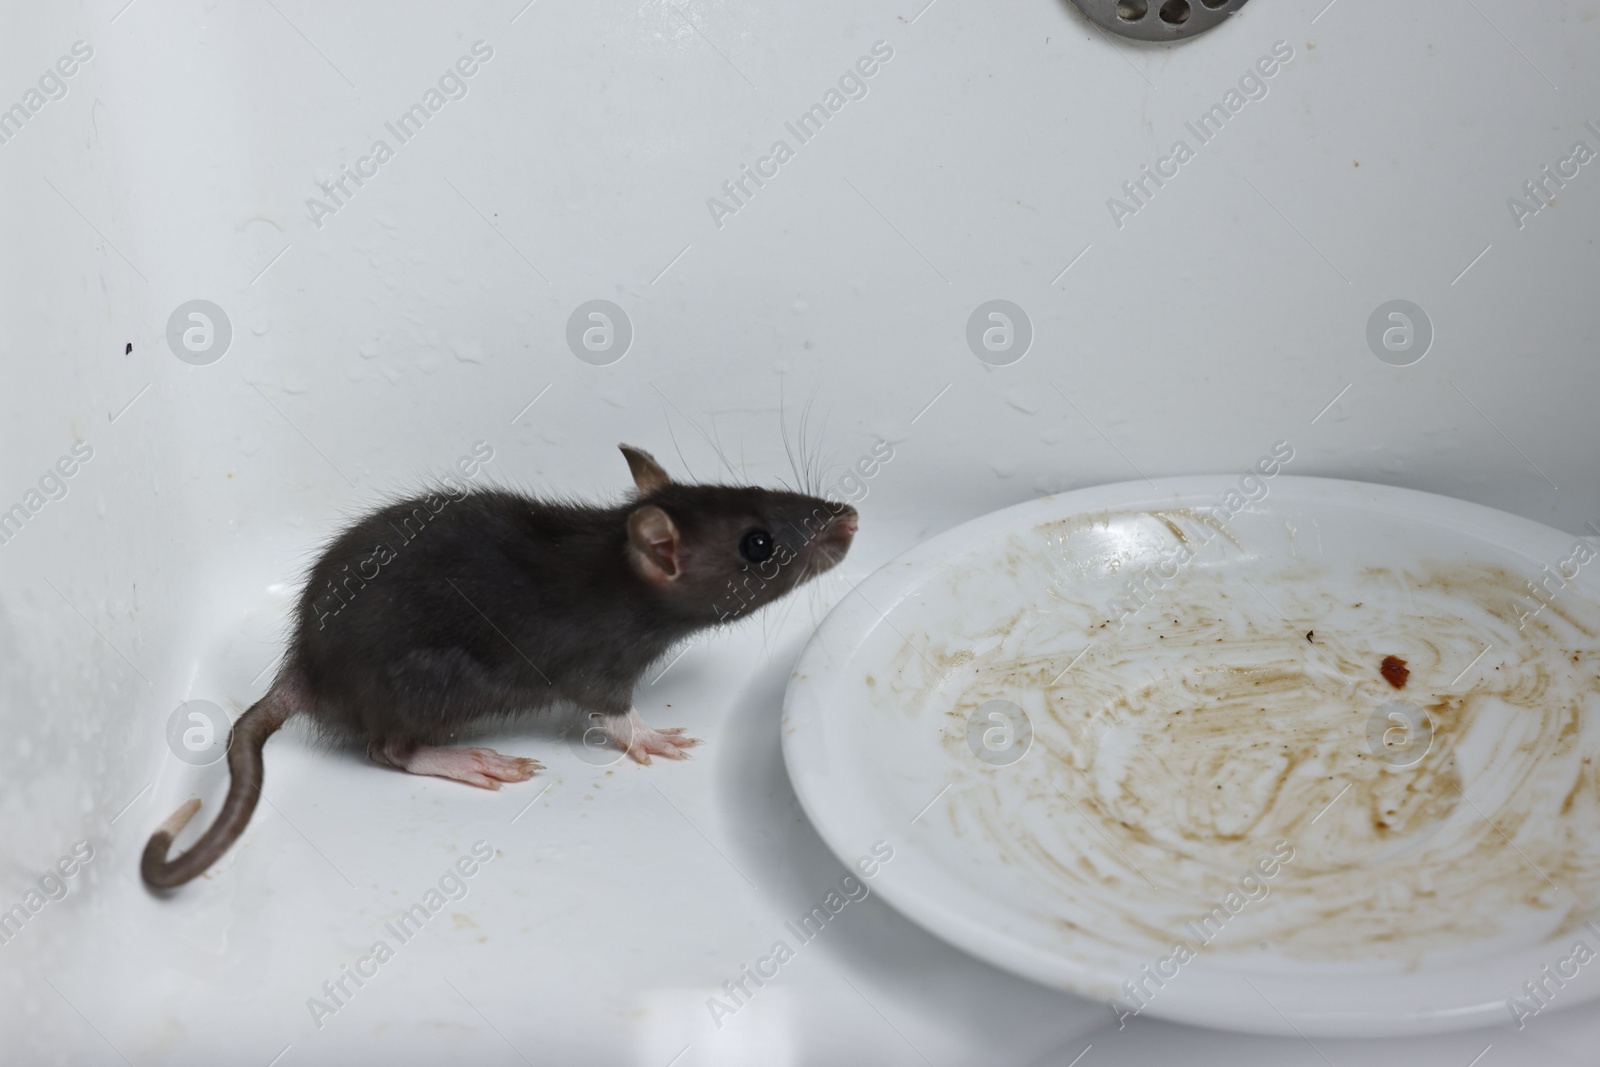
635,737
482,767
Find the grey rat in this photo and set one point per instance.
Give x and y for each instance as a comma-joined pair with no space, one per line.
436,616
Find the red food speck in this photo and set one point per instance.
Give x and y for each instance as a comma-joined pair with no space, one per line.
1394,671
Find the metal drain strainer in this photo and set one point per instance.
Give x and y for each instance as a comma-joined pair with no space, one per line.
1159,20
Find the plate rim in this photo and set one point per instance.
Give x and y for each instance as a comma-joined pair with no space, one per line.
815,673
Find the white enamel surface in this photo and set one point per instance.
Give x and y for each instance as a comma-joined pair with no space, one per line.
1412,896
431,310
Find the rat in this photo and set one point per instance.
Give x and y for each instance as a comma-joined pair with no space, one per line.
435,616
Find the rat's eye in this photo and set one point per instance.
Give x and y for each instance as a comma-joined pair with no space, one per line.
756,546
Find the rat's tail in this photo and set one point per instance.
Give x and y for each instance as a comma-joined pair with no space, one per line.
244,789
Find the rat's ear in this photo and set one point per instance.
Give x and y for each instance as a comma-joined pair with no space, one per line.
654,539
647,473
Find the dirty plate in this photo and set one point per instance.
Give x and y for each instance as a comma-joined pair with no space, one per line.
1275,754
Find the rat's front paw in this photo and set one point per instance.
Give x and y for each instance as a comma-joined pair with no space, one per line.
641,741
668,743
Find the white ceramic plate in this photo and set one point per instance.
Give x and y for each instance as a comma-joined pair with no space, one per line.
1207,801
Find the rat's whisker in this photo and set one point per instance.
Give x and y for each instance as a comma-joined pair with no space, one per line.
805,419
697,429
674,438
783,432
716,444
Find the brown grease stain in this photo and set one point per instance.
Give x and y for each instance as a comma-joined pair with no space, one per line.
1211,726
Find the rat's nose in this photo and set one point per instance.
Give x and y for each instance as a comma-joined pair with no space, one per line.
845,523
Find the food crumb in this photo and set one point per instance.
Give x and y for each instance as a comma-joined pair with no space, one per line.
1394,671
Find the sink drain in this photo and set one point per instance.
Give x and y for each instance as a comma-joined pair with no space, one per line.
1159,20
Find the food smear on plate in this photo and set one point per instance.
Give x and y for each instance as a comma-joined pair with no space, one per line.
1172,743
1394,671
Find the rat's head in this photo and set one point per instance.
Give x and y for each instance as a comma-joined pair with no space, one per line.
719,552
